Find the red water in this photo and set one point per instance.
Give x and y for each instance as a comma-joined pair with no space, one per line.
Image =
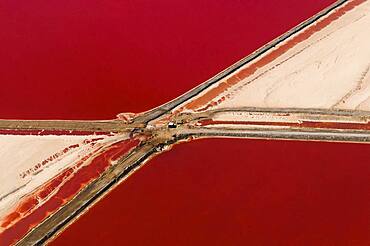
237,192
91,60
87,60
